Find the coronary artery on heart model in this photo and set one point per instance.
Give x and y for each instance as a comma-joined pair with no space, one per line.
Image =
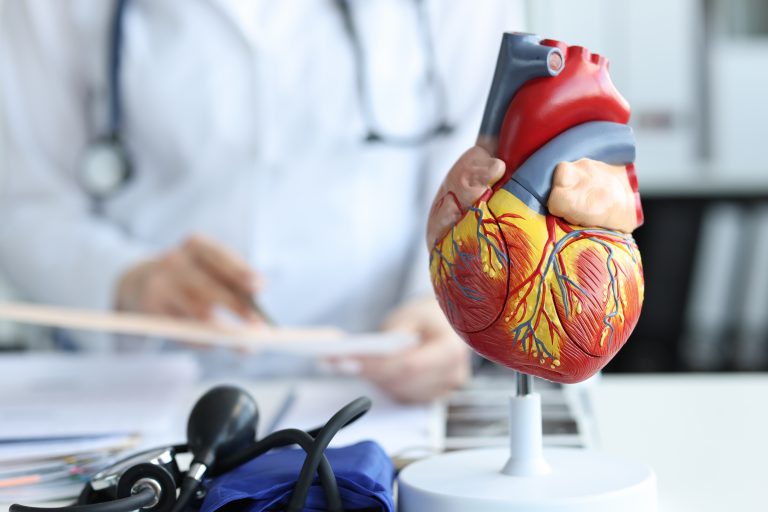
522,287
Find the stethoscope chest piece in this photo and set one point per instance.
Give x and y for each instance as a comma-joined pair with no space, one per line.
105,167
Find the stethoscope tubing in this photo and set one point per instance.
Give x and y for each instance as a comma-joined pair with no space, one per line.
113,137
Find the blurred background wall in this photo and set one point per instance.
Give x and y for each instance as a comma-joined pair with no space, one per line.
696,75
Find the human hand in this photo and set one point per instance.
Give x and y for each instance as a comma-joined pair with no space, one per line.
188,281
439,363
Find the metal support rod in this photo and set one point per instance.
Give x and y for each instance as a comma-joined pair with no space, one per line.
524,384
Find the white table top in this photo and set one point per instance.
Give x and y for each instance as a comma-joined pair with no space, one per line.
706,436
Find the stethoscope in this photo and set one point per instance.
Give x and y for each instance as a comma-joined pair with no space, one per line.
106,166
221,436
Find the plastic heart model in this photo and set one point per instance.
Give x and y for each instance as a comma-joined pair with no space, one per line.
523,287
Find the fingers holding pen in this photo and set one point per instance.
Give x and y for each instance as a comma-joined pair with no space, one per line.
226,266
189,281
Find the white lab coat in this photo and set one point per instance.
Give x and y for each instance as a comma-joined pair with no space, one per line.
243,123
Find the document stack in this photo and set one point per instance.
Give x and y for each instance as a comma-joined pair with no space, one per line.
65,417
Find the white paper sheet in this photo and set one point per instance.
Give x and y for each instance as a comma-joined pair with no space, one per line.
17,454
400,429
55,395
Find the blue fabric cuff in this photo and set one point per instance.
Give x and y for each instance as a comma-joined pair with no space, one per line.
364,474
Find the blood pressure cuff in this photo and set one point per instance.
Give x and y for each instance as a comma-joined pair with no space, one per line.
364,475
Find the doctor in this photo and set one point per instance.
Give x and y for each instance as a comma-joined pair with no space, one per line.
284,149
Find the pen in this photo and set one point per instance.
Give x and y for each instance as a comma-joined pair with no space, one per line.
282,412
256,308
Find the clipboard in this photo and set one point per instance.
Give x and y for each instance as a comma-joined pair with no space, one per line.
319,341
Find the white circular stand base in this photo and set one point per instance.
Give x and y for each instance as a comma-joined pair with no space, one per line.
579,481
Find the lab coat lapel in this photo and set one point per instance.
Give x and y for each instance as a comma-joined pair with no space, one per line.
244,17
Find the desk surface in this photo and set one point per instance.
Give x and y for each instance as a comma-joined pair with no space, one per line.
706,436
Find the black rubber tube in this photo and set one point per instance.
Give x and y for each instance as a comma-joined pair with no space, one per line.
281,439
343,417
141,499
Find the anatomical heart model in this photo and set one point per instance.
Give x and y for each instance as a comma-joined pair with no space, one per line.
532,259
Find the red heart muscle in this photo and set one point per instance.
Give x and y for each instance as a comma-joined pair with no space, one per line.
525,288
